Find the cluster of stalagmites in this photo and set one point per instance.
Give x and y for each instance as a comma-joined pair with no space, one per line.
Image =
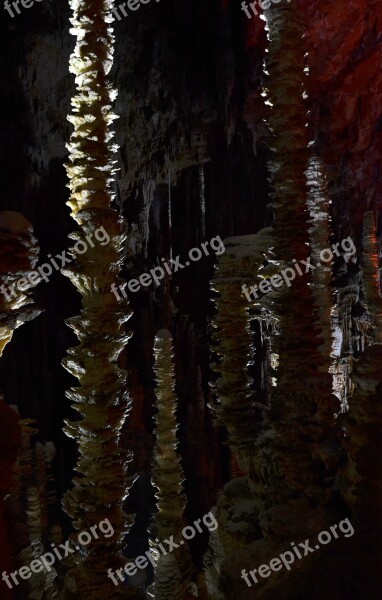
303,470
289,450
102,400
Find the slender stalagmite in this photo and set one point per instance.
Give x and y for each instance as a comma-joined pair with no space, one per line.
102,401
172,572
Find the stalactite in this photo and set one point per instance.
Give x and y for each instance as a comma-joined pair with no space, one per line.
37,521
102,400
172,574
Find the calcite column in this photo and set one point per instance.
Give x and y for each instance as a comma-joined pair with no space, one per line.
302,412
172,573
102,483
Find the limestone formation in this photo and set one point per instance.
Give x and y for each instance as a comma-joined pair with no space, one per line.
102,400
172,574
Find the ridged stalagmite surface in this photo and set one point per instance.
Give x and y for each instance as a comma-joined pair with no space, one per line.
173,571
290,161
234,343
302,405
102,400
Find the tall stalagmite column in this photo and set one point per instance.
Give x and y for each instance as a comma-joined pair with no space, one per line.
302,405
173,571
102,400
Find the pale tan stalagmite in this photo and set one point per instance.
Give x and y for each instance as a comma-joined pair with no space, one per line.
172,574
102,400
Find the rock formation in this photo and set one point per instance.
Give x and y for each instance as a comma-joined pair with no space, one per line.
102,483
172,573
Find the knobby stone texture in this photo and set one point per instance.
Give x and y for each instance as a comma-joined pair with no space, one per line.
102,400
172,573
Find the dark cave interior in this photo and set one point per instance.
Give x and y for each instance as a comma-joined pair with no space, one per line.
194,156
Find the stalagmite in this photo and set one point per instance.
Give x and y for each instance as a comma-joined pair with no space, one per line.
172,573
303,407
102,483
234,343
